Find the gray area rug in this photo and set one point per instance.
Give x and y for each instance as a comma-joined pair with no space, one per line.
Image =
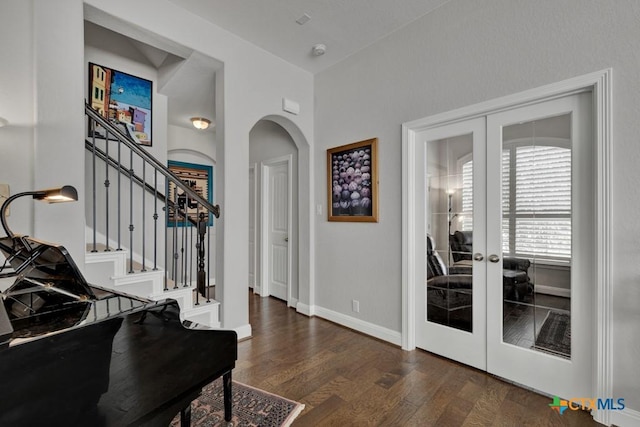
555,334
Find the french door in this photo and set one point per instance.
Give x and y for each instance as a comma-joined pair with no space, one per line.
451,308
508,255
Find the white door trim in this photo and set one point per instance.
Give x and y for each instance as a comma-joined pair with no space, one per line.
265,200
600,83
254,168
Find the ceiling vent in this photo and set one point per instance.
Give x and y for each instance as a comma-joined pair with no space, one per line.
303,19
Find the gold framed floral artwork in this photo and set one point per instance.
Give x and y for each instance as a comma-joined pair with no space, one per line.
352,181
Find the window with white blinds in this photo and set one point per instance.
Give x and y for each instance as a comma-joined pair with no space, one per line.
466,221
536,201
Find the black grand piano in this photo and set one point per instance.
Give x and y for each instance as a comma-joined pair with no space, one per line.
75,354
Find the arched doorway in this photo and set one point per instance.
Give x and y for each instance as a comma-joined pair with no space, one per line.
275,141
273,222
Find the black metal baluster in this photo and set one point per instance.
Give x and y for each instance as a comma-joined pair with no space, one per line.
166,240
119,248
184,224
191,252
175,237
185,242
208,257
144,215
93,181
155,219
106,187
201,276
131,227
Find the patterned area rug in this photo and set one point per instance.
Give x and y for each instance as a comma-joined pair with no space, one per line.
555,334
251,407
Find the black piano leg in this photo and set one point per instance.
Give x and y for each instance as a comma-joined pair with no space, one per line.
226,378
185,416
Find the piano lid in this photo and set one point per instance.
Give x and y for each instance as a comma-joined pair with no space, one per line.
50,294
43,264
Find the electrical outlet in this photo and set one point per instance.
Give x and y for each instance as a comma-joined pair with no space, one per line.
355,306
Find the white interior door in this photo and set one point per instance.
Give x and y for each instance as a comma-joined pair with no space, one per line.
451,300
540,208
277,228
517,300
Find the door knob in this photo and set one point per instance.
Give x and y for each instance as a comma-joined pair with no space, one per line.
478,256
494,258
286,239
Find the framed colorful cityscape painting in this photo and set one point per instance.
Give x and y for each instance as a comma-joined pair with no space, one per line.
124,100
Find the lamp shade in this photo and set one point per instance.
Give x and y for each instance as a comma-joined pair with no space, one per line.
200,122
66,193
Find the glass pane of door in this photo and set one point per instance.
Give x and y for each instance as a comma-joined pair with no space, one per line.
450,232
537,234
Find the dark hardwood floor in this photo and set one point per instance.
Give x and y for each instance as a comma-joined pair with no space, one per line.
349,379
524,319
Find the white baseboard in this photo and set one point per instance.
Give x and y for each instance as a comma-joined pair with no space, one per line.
243,331
305,309
552,290
625,418
359,325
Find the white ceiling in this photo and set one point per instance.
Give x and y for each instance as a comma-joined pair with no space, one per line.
187,78
345,27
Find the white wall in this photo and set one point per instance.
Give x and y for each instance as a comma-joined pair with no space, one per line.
192,140
16,106
465,52
41,134
112,50
43,49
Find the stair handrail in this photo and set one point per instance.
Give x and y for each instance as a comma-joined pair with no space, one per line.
114,163
159,166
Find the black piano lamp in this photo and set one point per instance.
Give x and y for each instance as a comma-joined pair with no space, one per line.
66,193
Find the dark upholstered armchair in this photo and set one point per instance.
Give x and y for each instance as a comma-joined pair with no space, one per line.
515,274
449,297
461,243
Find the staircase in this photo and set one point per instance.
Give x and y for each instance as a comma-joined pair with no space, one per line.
140,241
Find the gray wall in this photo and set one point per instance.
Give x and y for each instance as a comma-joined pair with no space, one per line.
465,52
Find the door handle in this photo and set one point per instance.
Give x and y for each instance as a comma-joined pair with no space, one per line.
286,239
478,256
494,258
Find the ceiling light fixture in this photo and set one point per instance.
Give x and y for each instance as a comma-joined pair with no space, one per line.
200,122
318,49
